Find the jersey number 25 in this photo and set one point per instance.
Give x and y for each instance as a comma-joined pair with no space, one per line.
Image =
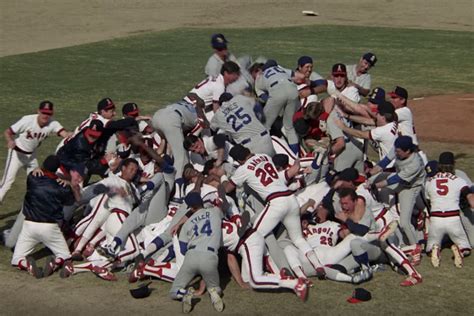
238,119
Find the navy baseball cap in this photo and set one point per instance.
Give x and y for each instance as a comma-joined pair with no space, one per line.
399,92
130,109
141,291
404,143
359,295
226,96
377,96
81,169
218,41
105,104
446,158
51,163
370,58
270,63
339,69
193,199
431,168
46,107
303,60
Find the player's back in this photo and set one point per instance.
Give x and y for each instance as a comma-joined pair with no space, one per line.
203,229
261,175
270,78
322,234
444,190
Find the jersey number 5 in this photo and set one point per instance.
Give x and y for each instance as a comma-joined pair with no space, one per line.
238,120
266,174
442,188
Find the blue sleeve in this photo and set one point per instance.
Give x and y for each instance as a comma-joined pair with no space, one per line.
394,179
183,247
357,229
263,97
384,162
258,110
319,82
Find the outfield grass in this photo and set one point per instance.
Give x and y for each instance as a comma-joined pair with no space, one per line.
155,69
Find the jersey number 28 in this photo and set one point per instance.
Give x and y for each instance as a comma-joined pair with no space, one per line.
266,174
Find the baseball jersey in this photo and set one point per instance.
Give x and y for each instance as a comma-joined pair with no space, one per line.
349,92
203,230
230,236
187,112
406,127
148,169
237,119
261,175
362,80
270,79
385,137
214,64
124,203
444,190
211,198
30,134
411,170
334,132
322,234
210,89
371,204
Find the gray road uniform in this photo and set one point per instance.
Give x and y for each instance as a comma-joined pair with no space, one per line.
283,99
173,120
412,173
200,238
237,119
364,80
353,154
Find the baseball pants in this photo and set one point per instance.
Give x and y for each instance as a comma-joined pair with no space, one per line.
15,160
451,226
33,233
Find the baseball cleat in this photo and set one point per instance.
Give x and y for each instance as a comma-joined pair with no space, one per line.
363,275
103,273
32,268
301,289
321,273
435,256
457,256
107,251
388,230
76,256
188,301
138,272
285,274
216,299
50,266
413,279
67,270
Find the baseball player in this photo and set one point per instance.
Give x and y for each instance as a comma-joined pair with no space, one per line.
42,208
174,121
358,73
407,182
275,86
236,117
204,148
259,173
383,135
200,238
23,138
445,190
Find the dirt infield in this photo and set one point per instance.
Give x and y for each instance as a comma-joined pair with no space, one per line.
29,26
445,118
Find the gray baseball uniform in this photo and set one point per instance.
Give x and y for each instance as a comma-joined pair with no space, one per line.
282,97
237,119
363,80
173,120
352,155
202,234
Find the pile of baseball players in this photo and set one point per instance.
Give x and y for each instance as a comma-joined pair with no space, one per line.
259,168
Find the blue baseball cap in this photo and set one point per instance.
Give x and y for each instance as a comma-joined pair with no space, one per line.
218,41
377,96
404,143
303,60
431,168
193,199
370,58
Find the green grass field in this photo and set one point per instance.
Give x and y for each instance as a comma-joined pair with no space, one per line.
158,68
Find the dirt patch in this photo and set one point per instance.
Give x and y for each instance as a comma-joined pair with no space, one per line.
30,26
445,118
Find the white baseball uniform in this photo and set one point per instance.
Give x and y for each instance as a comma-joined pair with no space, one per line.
363,80
30,136
444,190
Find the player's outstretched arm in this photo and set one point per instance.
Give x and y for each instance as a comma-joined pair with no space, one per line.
234,269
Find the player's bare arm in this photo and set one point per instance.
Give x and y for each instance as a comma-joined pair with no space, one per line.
352,131
338,146
10,138
234,269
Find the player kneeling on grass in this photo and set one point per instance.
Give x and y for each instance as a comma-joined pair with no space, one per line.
43,211
200,239
444,190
